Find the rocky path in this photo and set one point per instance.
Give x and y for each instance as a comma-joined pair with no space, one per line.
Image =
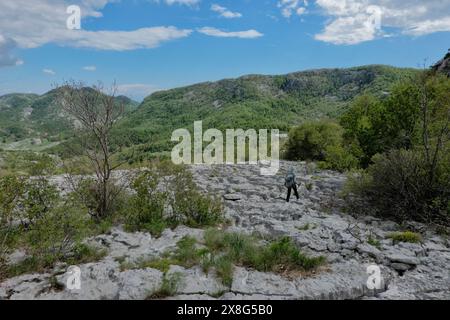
255,204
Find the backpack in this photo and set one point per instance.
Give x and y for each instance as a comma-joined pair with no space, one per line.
289,181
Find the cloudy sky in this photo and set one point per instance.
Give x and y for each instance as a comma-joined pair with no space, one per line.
148,45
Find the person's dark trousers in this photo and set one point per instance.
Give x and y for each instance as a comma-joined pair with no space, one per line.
295,192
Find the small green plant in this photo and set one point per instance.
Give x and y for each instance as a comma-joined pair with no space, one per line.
374,242
162,265
224,269
307,226
187,253
406,236
169,287
83,253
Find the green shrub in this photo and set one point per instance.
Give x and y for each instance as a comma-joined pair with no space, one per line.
146,207
54,236
89,194
192,207
311,140
12,189
40,198
166,196
398,186
338,158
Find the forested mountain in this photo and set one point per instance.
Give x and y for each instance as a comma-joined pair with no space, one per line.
252,101
257,101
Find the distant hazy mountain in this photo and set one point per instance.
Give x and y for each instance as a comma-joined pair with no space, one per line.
30,116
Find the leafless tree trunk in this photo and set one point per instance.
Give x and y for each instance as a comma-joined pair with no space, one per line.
95,113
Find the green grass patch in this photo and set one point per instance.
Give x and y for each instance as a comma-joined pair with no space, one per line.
222,251
407,236
169,287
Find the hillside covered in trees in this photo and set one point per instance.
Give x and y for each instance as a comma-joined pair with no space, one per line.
257,101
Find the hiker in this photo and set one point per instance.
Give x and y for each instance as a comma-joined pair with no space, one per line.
290,184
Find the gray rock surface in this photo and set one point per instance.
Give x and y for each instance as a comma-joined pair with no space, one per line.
255,205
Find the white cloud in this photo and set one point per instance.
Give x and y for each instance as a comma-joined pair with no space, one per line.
136,91
49,72
30,24
7,45
289,7
181,2
224,12
355,21
90,68
214,32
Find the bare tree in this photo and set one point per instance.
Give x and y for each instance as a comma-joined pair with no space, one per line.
95,114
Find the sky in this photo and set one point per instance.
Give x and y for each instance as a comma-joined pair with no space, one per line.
150,45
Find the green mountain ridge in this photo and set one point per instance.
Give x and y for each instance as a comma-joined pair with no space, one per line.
257,101
251,101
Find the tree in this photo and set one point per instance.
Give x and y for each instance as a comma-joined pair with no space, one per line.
434,92
410,177
310,140
95,114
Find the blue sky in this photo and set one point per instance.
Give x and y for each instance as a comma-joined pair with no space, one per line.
148,45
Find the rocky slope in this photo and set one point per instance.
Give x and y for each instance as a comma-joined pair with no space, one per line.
443,65
255,204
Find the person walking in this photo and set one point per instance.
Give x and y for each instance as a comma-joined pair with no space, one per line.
290,184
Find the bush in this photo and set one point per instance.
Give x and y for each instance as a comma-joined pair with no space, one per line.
12,189
146,206
40,198
51,228
310,140
166,196
339,159
398,186
25,200
54,237
89,195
